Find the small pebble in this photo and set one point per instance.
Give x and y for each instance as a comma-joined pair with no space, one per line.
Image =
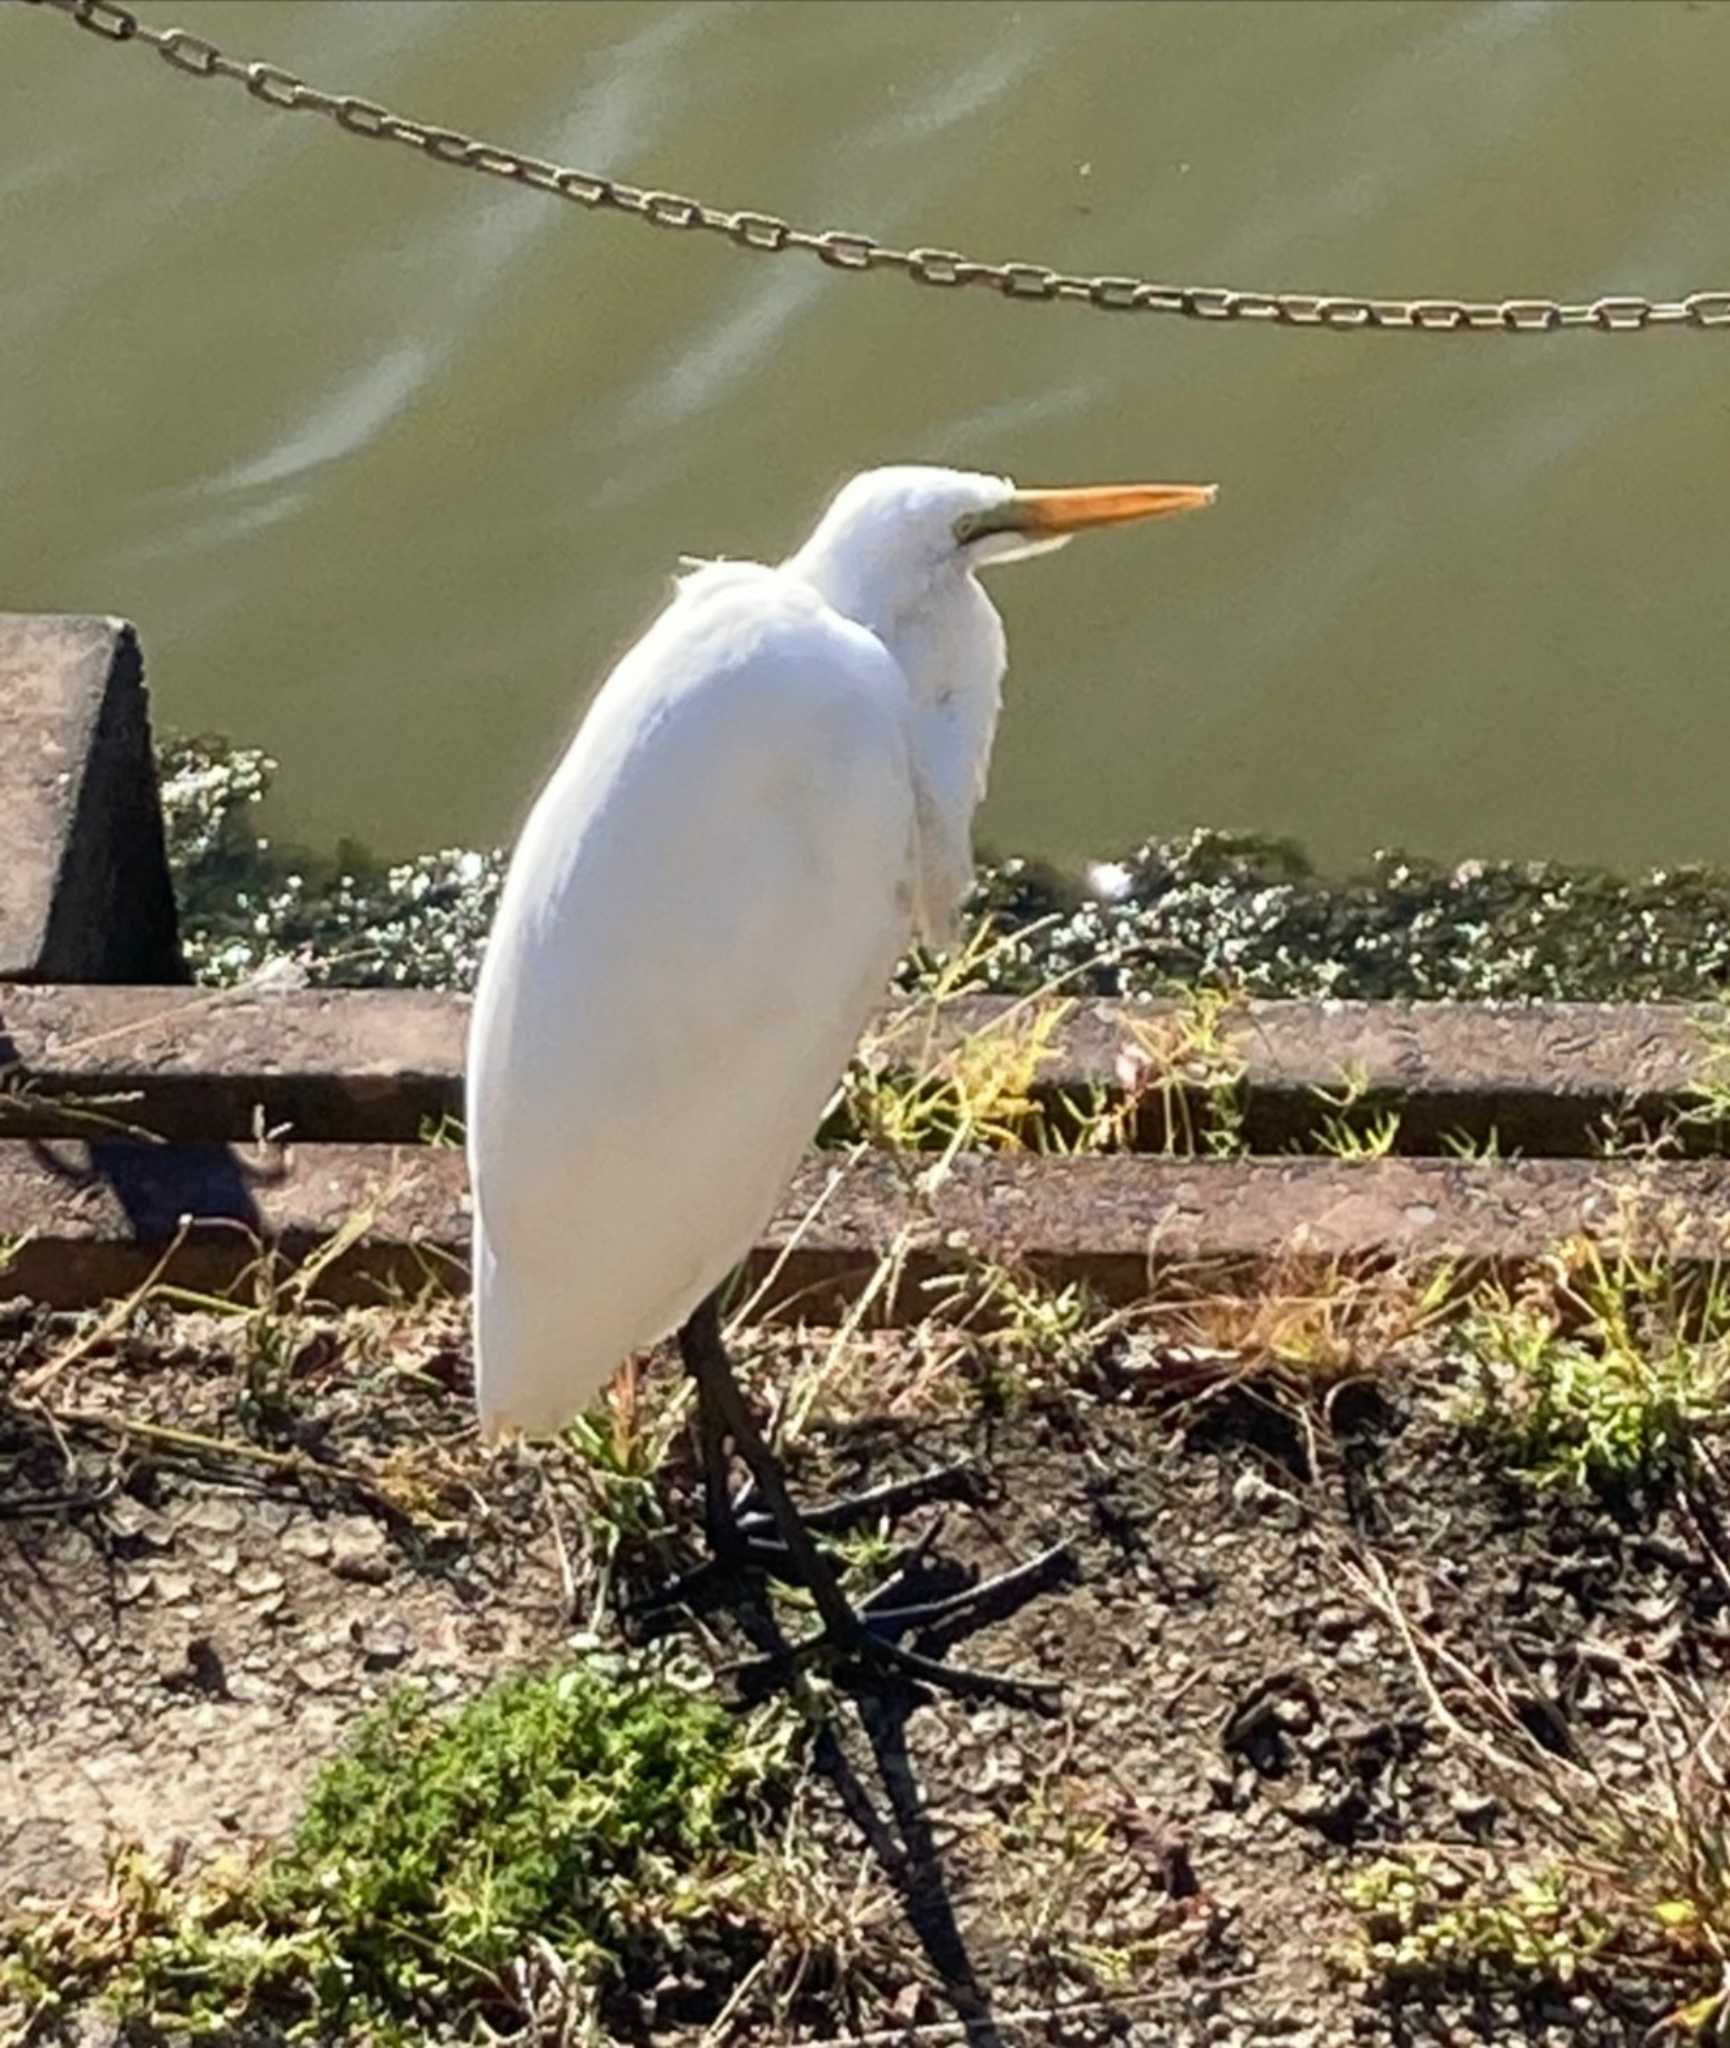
214,1517
131,1584
320,1674
1250,1492
1473,1809
382,1644
126,1517
357,1550
216,1553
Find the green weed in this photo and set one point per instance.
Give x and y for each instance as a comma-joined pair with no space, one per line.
1466,1145
1608,1374
1626,1883
1181,1082
276,1319
1423,1922
1029,1337
1350,1130
981,1094
1077,1884
622,1446
443,1133
1706,1098
600,1819
921,1084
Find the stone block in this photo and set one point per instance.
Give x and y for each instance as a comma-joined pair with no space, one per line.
85,893
90,1222
381,1065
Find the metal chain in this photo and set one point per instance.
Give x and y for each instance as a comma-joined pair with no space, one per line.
843,250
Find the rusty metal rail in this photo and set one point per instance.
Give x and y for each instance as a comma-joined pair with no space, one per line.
381,1066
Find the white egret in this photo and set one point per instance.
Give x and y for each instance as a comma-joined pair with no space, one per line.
771,793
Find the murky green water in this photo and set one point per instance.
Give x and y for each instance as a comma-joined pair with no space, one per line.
388,462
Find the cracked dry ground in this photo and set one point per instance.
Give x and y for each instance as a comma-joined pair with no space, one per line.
1243,1725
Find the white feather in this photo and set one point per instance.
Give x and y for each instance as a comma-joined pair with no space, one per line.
702,912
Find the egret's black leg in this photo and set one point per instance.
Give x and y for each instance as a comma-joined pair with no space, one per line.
720,1516
734,1535
734,1523
862,1639
718,1395
741,1535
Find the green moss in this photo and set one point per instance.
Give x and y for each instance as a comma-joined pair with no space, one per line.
1235,910
1207,908
605,1820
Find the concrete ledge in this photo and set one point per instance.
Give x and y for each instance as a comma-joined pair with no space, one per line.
91,1222
380,1065
370,1065
85,893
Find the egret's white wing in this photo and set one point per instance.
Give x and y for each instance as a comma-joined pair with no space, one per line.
701,914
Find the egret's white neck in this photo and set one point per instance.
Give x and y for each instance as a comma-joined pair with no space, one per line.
945,634
869,586
939,625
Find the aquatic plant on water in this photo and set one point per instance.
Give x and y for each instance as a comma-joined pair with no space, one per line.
1205,907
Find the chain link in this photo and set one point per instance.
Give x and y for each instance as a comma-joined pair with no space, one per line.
842,250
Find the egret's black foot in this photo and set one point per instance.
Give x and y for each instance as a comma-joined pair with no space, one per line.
862,1645
715,1581
894,1497
871,1650
886,1612
743,1539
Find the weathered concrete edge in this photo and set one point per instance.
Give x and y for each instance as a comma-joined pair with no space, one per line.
85,891
88,1223
382,1065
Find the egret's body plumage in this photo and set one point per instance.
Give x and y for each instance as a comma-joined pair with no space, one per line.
708,898
770,793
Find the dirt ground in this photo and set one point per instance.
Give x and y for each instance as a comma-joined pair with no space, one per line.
1284,1645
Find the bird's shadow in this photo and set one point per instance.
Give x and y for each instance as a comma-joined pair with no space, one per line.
155,1184
907,1853
900,1839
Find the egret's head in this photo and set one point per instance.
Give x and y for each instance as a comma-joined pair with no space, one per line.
893,533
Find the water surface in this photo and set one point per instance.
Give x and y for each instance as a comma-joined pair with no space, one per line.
388,461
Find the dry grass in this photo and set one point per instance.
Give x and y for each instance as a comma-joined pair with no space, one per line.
1600,1371
1304,1326
1614,1879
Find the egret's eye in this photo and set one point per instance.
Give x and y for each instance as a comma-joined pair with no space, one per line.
979,525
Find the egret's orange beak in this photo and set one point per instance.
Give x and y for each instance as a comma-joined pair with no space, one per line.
1050,512
1068,511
